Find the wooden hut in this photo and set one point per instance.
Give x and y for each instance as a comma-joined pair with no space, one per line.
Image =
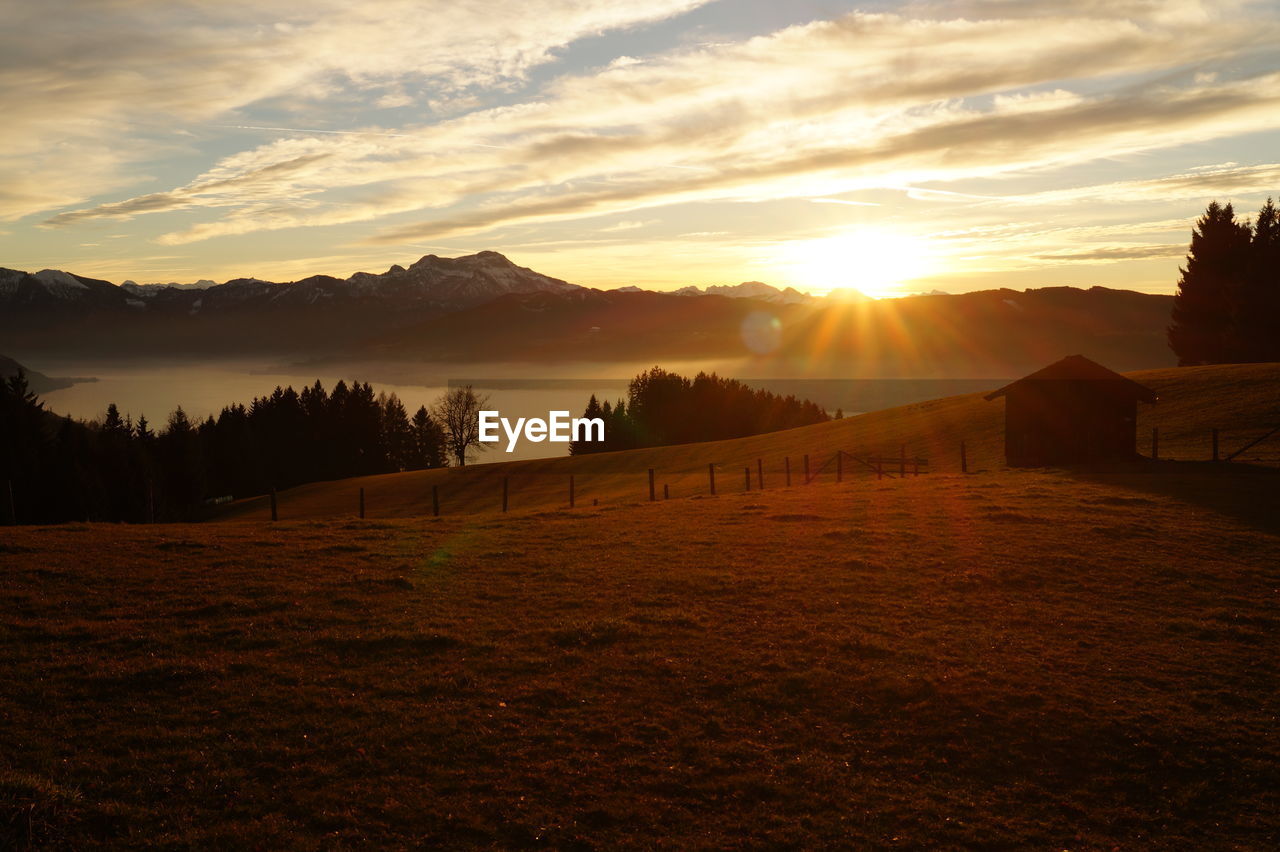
1072,411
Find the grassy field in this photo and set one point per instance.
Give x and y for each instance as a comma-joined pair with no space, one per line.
1241,401
1077,659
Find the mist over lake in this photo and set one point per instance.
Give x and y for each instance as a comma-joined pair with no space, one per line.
203,388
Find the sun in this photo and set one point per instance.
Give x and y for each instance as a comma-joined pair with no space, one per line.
874,261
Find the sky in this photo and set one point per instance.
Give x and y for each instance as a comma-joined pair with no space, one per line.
888,147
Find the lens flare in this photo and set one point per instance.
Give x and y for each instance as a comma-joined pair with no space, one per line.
761,332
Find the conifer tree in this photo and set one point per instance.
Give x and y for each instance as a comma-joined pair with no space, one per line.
1205,306
397,434
428,440
592,412
1258,313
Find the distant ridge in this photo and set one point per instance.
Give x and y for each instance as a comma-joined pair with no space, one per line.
485,308
440,282
37,382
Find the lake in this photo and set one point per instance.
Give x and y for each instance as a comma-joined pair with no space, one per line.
516,390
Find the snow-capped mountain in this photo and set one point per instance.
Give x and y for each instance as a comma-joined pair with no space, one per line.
432,283
54,290
750,290
145,290
55,311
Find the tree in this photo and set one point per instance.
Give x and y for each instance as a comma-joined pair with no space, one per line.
428,441
1258,311
397,434
658,405
25,450
183,463
113,423
1209,290
593,412
458,413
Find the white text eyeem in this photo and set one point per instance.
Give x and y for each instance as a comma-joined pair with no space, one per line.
558,428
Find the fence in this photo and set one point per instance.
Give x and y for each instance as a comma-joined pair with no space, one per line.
1259,445
836,467
1239,445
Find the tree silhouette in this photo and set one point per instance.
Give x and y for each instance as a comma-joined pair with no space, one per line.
665,408
1205,307
1258,312
458,413
428,441
397,434
593,412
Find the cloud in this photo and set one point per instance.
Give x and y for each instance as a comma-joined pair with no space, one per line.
1217,181
1111,254
93,88
947,146
864,101
628,225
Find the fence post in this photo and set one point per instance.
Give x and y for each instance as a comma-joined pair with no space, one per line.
1155,443
711,474
964,459
879,468
806,468
435,501
902,462
915,470
760,473
652,496
787,462
362,503
1215,444
839,466
274,515
151,502
747,471
571,491
504,493
666,491
13,509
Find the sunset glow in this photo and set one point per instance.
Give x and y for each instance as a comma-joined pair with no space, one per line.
876,262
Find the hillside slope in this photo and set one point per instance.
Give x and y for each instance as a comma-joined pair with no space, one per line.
1009,660
1240,400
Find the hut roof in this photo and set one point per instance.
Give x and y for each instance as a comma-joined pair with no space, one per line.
1077,368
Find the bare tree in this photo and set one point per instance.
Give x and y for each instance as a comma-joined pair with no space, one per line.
458,412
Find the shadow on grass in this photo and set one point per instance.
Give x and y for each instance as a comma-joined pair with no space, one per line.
1248,493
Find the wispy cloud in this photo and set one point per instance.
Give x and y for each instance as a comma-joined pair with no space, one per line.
94,89
1210,180
1110,254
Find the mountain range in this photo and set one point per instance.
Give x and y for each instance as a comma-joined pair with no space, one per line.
483,307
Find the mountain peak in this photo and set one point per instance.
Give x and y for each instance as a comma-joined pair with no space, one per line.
748,290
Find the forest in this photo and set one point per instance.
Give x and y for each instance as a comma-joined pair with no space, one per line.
665,408
60,469
1227,306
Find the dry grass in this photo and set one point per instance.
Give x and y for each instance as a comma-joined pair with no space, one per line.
1011,659
1005,660
1240,400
